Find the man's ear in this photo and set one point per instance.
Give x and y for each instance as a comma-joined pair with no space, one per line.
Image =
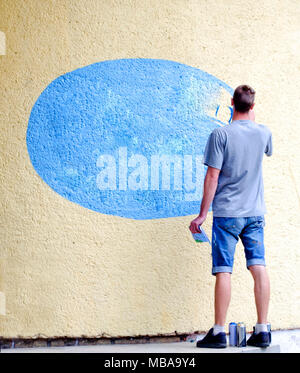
252,106
232,103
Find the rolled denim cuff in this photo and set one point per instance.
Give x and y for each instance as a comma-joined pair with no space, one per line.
220,269
257,261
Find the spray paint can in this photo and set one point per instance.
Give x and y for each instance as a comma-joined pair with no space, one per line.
269,331
202,236
232,334
241,334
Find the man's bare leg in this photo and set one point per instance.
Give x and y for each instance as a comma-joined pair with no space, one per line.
222,297
260,337
216,337
261,292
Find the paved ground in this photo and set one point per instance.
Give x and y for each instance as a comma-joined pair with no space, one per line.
282,341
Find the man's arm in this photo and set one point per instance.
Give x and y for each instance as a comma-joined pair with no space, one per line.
213,158
209,190
210,187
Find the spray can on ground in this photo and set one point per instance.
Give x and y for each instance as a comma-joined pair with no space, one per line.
269,331
241,334
232,334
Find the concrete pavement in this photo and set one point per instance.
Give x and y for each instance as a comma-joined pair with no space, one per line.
282,341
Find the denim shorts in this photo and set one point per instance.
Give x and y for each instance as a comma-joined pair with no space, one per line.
225,235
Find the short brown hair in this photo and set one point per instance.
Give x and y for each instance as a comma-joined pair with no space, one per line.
243,98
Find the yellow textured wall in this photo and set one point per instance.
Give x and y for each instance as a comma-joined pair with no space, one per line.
70,271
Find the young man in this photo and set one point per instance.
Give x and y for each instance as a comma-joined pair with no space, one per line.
234,185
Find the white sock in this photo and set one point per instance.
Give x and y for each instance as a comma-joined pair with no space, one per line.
261,328
218,329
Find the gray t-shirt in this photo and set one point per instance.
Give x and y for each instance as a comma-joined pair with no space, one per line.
237,150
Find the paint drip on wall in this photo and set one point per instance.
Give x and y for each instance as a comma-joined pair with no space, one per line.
126,137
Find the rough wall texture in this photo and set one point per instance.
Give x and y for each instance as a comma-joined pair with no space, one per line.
66,270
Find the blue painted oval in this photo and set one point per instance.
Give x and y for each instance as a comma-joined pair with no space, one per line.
93,133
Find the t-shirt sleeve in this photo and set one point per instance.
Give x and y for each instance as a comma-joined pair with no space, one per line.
214,151
269,146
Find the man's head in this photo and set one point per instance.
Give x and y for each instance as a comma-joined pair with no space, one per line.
243,98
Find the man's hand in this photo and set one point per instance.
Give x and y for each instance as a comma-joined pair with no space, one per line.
210,186
195,223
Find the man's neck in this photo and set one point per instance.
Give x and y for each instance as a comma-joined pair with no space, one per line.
240,116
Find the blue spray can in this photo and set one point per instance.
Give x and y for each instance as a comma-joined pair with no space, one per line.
232,334
200,237
269,331
241,334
